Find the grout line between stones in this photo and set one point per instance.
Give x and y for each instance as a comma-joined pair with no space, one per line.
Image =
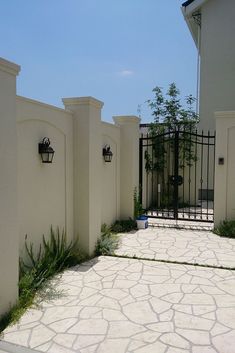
174,262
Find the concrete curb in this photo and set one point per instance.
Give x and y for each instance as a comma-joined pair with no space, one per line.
12,348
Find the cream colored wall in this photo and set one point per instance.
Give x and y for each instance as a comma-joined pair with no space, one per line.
87,168
45,190
217,74
225,174
9,240
110,187
129,162
77,192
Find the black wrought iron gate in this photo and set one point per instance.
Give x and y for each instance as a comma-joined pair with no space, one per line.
177,174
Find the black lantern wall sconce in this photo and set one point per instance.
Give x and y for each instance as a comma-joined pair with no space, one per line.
45,150
107,153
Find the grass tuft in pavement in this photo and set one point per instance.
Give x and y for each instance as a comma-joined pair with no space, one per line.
55,255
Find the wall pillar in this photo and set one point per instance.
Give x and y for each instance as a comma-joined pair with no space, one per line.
224,203
87,169
129,162
9,233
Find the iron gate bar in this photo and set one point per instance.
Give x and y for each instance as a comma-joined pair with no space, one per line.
152,179
207,177
183,169
201,180
195,183
189,183
168,167
214,160
141,167
147,183
176,172
163,175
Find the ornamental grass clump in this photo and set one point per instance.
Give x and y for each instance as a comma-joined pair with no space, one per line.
107,243
55,254
225,229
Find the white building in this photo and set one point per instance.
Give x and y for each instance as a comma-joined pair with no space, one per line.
212,26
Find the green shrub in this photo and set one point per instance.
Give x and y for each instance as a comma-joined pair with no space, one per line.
123,226
54,256
105,229
226,229
107,243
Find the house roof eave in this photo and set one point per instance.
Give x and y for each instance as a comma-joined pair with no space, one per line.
193,27
188,2
189,8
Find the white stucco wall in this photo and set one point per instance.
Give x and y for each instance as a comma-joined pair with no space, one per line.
129,162
77,192
217,74
9,236
110,209
45,190
87,168
225,173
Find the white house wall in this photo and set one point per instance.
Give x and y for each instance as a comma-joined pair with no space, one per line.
225,172
217,74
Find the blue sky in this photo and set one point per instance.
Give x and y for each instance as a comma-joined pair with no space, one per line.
114,50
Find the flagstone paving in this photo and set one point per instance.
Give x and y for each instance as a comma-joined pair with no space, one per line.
180,245
123,305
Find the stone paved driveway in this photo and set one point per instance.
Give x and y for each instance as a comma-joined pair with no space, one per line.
190,246
115,305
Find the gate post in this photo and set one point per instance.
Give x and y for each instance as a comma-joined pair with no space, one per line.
87,169
129,162
224,167
9,232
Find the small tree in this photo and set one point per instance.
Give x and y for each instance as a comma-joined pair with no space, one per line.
170,115
169,110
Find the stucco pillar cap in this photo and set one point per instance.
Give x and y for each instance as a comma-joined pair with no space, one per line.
9,67
126,119
82,101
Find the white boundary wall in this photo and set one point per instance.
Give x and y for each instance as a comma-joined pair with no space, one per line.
225,173
45,190
110,207
8,186
77,192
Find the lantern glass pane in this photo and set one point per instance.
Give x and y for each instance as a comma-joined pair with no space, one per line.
47,157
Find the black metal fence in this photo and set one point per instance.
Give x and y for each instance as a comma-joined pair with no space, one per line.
177,174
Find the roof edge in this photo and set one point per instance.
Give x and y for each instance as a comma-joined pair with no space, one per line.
190,6
189,9
188,2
